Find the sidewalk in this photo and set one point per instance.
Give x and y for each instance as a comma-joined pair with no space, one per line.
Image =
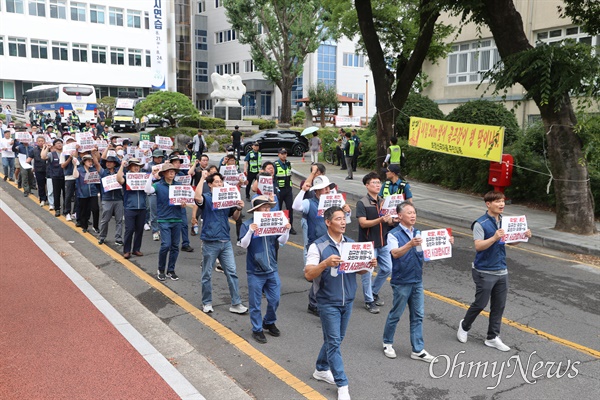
440,204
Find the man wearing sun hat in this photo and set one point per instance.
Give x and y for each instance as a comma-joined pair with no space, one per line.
134,208
261,269
112,204
168,218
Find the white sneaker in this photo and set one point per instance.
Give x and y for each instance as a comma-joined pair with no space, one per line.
343,393
207,308
238,309
74,216
146,227
42,203
497,343
156,236
50,208
68,217
389,351
325,376
461,334
423,355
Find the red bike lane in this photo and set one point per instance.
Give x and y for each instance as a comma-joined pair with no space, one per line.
54,343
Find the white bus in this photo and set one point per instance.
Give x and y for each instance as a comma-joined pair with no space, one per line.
65,98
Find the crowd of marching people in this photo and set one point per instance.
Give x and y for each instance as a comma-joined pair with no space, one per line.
89,177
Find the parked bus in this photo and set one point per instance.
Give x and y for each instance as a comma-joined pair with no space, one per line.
65,98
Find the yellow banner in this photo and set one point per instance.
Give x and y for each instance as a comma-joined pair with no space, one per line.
485,142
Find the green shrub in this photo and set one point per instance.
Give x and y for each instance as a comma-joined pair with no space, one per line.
3,117
198,121
262,123
299,118
487,113
172,132
108,121
192,121
416,106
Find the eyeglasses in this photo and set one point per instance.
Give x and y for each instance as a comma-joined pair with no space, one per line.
376,183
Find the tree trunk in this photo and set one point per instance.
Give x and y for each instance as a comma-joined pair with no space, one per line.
286,100
574,201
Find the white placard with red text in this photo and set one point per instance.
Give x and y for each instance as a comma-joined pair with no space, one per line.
330,200
265,185
230,173
185,162
23,137
101,144
183,179
180,194
436,244
270,223
136,180
514,229
109,183
390,203
145,145
356,256
225,197
91,177
86,141
163,142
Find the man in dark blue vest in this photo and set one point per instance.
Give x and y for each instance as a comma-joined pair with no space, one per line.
489,271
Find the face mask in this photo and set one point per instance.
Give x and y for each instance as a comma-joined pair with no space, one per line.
120,153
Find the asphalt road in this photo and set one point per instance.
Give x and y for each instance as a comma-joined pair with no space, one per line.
551,296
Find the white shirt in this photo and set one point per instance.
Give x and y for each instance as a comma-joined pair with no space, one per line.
314,258
6,147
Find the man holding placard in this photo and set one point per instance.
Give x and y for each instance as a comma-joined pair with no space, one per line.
407,283
134,201
489,271
184,179
335,295
261,235
217,206
112,201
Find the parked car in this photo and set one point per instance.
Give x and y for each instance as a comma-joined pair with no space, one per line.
272,140
156,121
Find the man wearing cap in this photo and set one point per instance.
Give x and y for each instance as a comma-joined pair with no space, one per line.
253,162
349,150
87,127
55,172
112,204
394,184
236,137
134,202
157,159
185,239
261,269
394,153
283,180
87,191
374,228
168,218
68,165
216,243
315,223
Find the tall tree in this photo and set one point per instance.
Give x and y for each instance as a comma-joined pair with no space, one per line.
550,75
280,34
166,105
397,38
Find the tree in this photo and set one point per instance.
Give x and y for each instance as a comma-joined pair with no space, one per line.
549,74
107,104
322,97
168,105
397,37
280,34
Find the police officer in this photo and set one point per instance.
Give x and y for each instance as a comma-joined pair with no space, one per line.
394,184
394,153
253,162
283,180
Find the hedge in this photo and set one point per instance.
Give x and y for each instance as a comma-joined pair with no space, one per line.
262,123
198,121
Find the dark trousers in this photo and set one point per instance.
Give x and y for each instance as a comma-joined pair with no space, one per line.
26,179
492,288
285,196
134,226
40,177
69,194
355,160
58,188
237,147
251,178
87,206
341,157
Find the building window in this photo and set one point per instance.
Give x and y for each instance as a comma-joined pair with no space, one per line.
229,68
556,36
99,54
14,6
58,9
228,35
134,19
77,11
297,91
326,64
7,90
201,39
468,62
201,6
1,45
249,66
218,3
80,52
97,14
354,60
146,20
204,104
117,56
17,47
39,49
265,103
37,8
60,51
135,57
115,16
356,96
148,58
201,71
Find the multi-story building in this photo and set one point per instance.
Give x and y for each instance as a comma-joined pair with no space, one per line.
455,80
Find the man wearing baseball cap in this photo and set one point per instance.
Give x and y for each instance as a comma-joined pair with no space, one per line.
394,184
253,162
283,180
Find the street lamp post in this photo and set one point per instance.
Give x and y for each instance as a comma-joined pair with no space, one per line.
367,100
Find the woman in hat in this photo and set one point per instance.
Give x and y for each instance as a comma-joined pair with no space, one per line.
135,209
88,178
261,269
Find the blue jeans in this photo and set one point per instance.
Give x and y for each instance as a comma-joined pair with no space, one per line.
185,238
384,261
170,233
8,165
334,321
411,294
213,250
271,286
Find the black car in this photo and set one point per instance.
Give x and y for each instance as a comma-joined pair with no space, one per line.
272,140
